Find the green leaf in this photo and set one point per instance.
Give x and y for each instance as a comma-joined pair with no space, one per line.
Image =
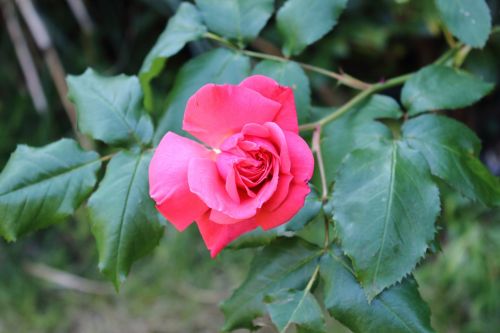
44,186
236,19
123,217
399,309
185,26
468,20
288,307
286,263
438,87
312,207
385,204
110,108
356,130
256,238
451,149
217,66
302,22
259,237
292,75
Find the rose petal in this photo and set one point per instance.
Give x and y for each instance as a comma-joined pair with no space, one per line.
301,158
231,186
168,181
281,192
267,87
217,236
222,218
291,205
216,112
205,181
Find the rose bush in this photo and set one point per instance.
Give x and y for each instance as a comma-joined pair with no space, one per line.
252,171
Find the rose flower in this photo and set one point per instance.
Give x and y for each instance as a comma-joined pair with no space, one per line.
250,168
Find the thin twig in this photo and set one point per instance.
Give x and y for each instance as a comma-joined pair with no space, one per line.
56,69
344,79
25,58
355,101
44,43
82,15
266,46
316,148
67,280
449,38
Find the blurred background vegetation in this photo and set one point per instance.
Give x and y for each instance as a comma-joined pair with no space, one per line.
49,281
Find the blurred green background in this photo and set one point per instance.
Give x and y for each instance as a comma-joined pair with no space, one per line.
49,281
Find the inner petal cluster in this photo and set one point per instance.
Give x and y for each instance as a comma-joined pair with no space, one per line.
247,163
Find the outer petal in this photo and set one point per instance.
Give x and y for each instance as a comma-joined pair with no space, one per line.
216,112
281,192
205,181
168,181
287,117
217,236
221,218
301,158
268,219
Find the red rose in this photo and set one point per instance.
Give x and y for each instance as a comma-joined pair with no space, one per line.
251,170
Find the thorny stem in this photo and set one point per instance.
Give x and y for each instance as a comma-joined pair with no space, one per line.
461,55
107,157
316,148
355,101
342,78
449,38
327,233
311,280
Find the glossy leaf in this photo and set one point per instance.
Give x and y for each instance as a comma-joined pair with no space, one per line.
236,19
355,130
44,186
123,217
469,20
312,207
399,309
110,108
292,75
451,149
218,66
185,26
293,307
440,87
385,204
286,263
302,22
259,237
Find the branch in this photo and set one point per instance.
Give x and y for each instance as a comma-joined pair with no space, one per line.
25,58
355,101
316,148
56,69
343,78
66,280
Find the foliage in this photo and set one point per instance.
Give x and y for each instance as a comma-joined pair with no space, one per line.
380,166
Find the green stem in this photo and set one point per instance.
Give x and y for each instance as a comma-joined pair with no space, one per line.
327,233
311,280
342,78
316,148
355,101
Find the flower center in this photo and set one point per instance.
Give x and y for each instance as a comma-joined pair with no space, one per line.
247,165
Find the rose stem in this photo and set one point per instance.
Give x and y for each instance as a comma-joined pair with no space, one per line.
342,78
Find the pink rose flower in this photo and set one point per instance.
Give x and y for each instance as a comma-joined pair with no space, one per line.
250,170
